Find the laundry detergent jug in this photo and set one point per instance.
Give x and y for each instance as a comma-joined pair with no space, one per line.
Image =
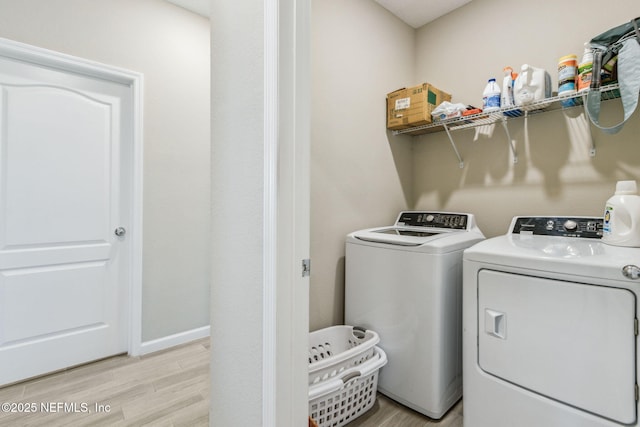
622,216
532,84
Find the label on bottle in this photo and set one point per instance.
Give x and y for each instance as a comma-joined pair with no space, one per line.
491,101
608,219
566,72
567,87
584,76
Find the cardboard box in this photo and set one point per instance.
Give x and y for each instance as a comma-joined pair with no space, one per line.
413,106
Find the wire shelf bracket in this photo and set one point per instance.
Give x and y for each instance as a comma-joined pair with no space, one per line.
453,144
509,140
506,114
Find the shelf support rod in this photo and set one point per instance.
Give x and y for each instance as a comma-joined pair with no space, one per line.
592,151
453,144
511,144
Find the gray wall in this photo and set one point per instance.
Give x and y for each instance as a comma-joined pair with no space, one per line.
554,174
359,53
170,46
362,175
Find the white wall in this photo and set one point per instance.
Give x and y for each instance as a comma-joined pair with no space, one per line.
358,177
170,46
238,220
555,174
260,218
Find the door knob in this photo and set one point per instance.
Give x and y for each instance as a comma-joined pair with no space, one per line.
120,231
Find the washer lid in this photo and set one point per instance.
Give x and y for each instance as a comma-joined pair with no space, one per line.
399,235
422,231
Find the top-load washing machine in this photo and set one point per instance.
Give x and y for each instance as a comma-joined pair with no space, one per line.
550,327
405,282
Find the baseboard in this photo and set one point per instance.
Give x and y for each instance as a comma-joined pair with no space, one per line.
174,340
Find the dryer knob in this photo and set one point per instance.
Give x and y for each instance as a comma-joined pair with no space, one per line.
430,218
631,272
570,225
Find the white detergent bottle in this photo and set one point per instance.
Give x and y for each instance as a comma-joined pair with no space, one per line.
532,84
622,216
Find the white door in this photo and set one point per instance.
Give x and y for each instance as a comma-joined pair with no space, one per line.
63,270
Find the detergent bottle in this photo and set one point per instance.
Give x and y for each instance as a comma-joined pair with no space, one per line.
491,96
622,216
532,84
585,69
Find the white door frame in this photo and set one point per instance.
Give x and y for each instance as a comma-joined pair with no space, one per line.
287,72
44,57
260,219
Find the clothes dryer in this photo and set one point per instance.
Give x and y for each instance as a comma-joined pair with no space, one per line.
405,282
550,328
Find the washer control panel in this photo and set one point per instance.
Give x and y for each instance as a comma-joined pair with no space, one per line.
584,227
433,219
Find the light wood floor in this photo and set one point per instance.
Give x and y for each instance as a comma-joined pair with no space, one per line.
387,413
168,388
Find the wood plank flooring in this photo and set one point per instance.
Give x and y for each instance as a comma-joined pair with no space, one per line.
387,413
165,389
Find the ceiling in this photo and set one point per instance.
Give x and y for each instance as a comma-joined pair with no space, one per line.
415,13
201,7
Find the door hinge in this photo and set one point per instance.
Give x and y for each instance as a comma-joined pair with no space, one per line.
306,267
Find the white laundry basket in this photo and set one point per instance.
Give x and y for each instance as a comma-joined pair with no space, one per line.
343,374
343,398
337,348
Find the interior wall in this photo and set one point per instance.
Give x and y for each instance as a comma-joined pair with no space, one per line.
359,53
260,218
555,174
239,221
170,46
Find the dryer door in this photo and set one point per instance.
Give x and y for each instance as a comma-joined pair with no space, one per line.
572,342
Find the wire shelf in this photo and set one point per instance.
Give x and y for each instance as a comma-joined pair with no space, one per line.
558,102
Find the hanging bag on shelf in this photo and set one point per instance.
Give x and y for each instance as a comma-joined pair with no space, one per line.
622,42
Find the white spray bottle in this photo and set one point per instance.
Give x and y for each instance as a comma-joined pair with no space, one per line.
507,88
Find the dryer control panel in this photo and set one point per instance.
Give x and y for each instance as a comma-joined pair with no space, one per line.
433,219
584,227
